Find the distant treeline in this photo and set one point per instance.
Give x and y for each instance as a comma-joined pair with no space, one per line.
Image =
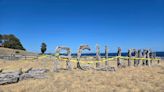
10,41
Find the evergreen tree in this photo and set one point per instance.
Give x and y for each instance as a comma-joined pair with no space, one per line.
0,38
43,48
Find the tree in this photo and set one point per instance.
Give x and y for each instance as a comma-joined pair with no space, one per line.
43,48
0,38
11,41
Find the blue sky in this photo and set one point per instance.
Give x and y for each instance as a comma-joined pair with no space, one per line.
116,23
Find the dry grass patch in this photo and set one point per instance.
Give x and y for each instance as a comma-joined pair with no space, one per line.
130,79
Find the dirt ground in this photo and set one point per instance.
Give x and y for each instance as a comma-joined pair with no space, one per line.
129,79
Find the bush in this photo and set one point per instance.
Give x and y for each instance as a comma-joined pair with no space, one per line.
17,52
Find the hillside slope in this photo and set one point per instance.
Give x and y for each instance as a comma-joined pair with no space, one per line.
7,51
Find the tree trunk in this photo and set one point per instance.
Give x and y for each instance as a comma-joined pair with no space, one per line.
56,66
98,64
129,62
14,77
98,57
118,59
106,56
118,62
9,77
68,65
135,62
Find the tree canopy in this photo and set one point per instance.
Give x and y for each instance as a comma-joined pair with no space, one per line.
0,38
43,47
11,41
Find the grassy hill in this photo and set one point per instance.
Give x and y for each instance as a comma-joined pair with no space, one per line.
7,51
